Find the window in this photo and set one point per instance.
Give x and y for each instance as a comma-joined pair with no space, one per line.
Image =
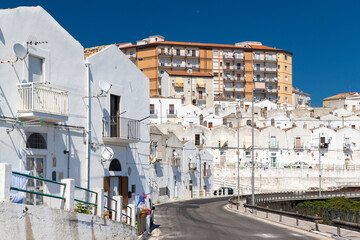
178,52
152,108
210,125
140,59
278,55
171,109
278,66
197,139
286,88
220,74
258,67
220,64
286,99
37,141
286,78
286,68
115,165
133,188
188,81
285,57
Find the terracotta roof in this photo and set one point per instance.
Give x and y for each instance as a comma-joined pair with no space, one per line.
262,47
341,96
259,47
184,73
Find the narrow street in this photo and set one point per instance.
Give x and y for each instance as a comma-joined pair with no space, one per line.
207,219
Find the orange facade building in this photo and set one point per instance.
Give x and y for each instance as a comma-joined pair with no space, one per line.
238,70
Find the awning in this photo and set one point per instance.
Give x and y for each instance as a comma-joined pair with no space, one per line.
200,83
179,82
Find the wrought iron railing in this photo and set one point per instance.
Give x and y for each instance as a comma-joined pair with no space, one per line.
120,127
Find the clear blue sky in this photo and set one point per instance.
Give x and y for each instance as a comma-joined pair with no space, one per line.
324,36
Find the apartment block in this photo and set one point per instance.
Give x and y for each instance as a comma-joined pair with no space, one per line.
194,88
239,71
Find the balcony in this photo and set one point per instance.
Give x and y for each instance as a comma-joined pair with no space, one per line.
239,89
41,101
274,79
177,65
259,80
267,69
298,146
271,90
259,69
274,144
239,56
258,58
165,64
239,68
192,167
175,161
239,78
228,89
119,130
192,54
228,78
228,67
347,147
228,56
178,54
164,53
201,98
270,58
207,173
193,66
324,146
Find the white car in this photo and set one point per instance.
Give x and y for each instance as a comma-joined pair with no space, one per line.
301,165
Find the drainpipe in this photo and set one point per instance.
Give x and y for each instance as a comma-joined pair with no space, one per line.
88,125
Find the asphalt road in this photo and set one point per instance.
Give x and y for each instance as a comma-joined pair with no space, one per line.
207,219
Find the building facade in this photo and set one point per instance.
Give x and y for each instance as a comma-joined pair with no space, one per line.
194,88
237,69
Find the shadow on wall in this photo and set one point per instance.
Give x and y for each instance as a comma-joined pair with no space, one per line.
7,102
158,169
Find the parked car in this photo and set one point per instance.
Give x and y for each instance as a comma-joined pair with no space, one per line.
221,190
298,165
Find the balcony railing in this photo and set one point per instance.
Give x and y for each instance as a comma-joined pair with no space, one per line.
258,79
299,146
268,58
36,97
201,98
239,78
274,79
228,56
347,147
192,167
175,161
271,90
260,69
239,89
273,144
192,54
258,58
270,69
323,145
238,56
121,130
239,68
229,89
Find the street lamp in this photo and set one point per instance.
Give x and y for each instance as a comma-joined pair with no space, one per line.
252,151
238,152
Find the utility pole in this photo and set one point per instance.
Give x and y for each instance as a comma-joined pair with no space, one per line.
200,174
319,166
252,151
238,153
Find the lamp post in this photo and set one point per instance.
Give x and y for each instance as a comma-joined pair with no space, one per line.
238,153
319,166
252,151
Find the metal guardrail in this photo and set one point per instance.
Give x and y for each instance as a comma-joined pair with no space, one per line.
89,191
34,192
109,208
127,216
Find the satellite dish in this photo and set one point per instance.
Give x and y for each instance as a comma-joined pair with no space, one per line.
20,51
104,86
107,153
189,70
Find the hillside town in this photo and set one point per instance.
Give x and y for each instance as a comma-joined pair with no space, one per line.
124,127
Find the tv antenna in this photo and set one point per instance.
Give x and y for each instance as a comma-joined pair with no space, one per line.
107,154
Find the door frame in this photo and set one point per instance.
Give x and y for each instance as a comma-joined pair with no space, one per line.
45,189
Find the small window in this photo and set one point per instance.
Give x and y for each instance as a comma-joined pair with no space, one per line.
278,66
286,78
37,141
115,165
286,99
286,88
197,139
278,55
140,59
286,68
285,57
133,188
152,108
171,109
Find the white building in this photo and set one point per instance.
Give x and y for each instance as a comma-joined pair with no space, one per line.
53,113
163,109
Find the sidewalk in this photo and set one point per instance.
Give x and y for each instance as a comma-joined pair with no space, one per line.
324,230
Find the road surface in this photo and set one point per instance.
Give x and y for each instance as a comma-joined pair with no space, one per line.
208,219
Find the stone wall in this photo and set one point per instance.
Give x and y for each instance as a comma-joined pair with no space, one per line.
46,223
